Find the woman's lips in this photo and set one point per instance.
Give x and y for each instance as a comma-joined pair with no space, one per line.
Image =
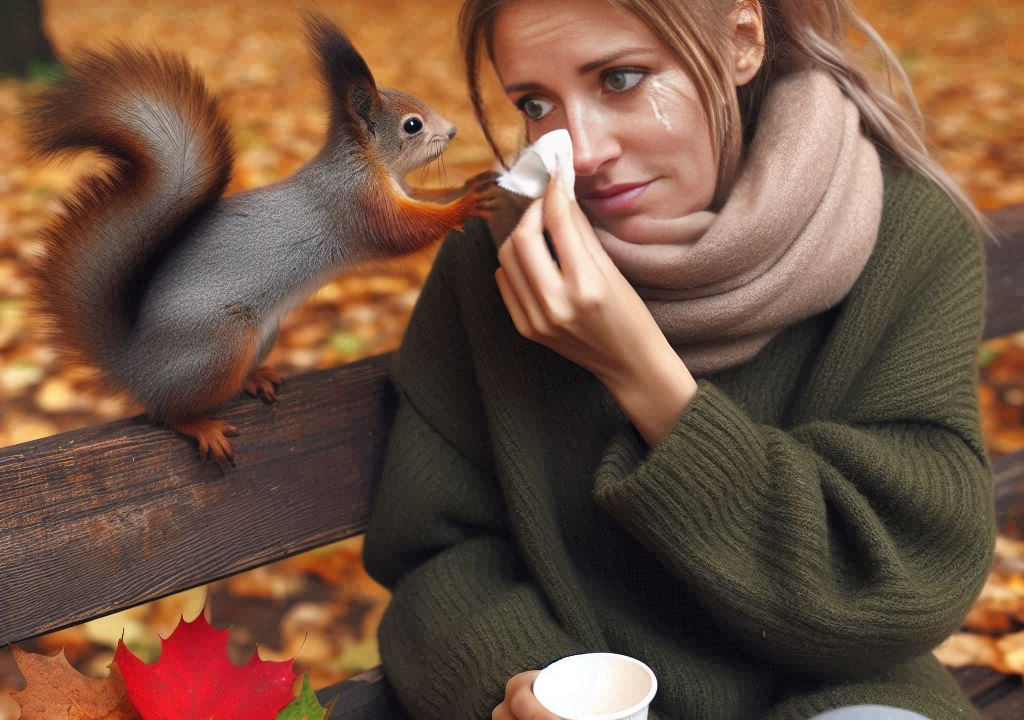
618,202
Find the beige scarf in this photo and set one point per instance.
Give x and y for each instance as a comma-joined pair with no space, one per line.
790,241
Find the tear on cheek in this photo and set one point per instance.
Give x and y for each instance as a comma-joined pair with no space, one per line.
658,90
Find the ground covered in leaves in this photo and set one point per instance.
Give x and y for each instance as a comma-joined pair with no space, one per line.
962,57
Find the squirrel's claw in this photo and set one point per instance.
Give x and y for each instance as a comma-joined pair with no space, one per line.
263,383
486,198
482,184
212,437
481,181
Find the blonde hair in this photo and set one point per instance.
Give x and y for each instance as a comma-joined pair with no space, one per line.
798,34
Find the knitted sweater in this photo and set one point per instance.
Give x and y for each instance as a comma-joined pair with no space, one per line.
817,520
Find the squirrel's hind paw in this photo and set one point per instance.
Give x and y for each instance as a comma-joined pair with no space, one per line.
212,436
263,382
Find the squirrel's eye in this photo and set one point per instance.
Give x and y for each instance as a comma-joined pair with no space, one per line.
413,125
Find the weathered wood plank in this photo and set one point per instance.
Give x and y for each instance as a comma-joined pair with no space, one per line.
978,682
989,690
999,697
111,516
1004,312
1009,706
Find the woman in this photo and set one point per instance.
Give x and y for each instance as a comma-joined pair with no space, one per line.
732,428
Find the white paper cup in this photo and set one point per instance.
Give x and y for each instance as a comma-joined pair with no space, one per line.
596,686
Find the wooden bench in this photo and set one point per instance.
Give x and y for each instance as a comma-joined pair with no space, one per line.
107,517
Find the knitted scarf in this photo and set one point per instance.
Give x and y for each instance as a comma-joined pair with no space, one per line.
790,241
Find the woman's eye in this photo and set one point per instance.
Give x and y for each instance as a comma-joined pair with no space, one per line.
617,80
533,108
623,79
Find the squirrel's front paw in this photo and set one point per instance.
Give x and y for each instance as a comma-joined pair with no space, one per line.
481,181
507,210
484,199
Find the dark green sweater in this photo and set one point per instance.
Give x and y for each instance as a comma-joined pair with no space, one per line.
814,524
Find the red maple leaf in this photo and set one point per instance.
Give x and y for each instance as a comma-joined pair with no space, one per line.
195,680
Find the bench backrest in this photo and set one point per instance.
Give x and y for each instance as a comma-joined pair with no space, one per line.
107,517
110,516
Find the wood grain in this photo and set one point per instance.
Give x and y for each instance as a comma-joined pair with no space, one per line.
111,516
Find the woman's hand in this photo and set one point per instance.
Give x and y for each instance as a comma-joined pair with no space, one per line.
520,702
587,311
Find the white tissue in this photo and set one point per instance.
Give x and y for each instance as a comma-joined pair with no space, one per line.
531,171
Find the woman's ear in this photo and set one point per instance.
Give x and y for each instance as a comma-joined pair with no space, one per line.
748,41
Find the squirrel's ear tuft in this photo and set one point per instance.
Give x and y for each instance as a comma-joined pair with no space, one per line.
350,85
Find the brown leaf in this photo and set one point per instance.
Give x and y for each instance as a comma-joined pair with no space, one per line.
962,649
1012,648
1000,605
55,690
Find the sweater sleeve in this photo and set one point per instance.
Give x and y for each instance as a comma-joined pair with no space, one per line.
464,615
858,539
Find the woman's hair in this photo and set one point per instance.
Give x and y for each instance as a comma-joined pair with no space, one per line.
798,34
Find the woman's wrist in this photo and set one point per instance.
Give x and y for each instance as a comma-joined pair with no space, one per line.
656,395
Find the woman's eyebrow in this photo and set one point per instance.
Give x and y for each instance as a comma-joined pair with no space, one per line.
586,67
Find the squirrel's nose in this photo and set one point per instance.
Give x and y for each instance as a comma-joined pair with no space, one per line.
451,132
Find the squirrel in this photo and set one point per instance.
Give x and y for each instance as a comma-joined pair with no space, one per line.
172,291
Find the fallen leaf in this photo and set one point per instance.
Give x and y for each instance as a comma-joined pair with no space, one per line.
194,679
961,649
306,706
56,691
1012,648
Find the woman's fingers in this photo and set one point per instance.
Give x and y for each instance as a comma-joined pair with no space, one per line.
534,261
521,700
594,245
518,680
540,294
520,266
588,237
570,243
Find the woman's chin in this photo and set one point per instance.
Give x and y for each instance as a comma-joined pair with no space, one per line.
637,229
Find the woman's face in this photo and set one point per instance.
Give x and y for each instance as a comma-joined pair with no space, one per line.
641,148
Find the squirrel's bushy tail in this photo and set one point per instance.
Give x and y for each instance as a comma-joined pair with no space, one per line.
169,149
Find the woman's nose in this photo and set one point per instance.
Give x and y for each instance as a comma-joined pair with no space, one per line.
593,144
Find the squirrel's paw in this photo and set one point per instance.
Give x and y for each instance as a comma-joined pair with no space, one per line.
481,181
486,199
263,382
212,436
482,193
